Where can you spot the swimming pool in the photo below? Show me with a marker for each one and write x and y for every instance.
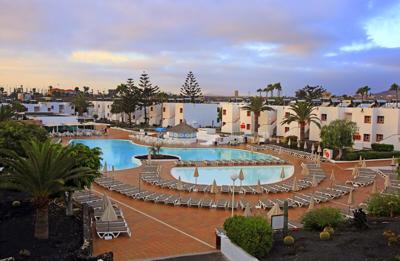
(266, 174)
(120, 153)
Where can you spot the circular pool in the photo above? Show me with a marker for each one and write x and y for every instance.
(222, 175)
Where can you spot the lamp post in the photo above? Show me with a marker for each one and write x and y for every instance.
(234, 178)
(140, 177)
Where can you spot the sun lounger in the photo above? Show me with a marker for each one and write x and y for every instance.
(195, 202)
(172, 200)
(265, 203)
(221, 203)
(185, 201)
(112, 229)
(225, 189)
(206, 203)
(162, 198)
(235, 204)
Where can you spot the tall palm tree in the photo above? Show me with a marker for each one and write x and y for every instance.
(278, 87)
(256, 106)
(43, 174)
(363, 91)
(303, 115)
(267, 90)
(395, 87)
(260, 91)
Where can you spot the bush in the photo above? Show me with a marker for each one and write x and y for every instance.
(319, 218)
(252, 234)
(288, 240)
(384, 205)
(324, 235)
(382, 147)
(370, 154)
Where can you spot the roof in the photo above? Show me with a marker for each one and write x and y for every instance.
(182, 127)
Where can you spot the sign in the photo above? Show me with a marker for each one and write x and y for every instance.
(277, 221)
(243, 125)
(328, 153)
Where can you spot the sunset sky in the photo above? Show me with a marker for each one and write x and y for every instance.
(229, 45)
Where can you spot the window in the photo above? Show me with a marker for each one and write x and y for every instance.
(287, 129)
(367, 119)
(223, 112)
(357, 136)
(163, 109)
(323, 117)
(248, 126)
(134, 116)
(52, 107)
(223, 123)
(379, 137)
(151, 108)
(380, 119)
(367, 137)
(248, 113)
(287, 114)
(181, 110)
(180, 121)
(98, 105)
(108, 106)
(48, 109)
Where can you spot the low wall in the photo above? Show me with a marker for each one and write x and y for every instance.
(233, 252)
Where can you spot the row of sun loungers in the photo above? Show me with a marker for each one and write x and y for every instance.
(365, 177)
(189, 163)
(103, 229)
(293, 152)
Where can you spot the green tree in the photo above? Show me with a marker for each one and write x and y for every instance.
(309, 93)
(84, 157)
(303, 114)
(42, 173)
(256, 106)
(260, 91)
(80, 103)
(13, 134)
(395, 87)
(338, 135)
(277, 86)
(6, 112)
(148, 94)
(128, 99)
(268, 89)
(191, 87)
(363, 91)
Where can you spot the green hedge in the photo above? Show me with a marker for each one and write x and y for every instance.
(319, 218)
(382, 205)
(252, 234)
(382, 147)
(370, 154)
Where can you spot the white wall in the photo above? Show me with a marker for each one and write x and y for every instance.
(233, 252)
(53, 107)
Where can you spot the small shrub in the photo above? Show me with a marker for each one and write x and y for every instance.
(288, 241)
(324, 235)
(330, 230)
(319, 218)
(384, 205)
(397, 258)
(391, 237)
(252, 234)
(382, 147)
(370, 154)
(16, 203)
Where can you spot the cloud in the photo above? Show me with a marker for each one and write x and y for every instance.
(330, 54)
(357, 47)
(384, 30)
(98, 57)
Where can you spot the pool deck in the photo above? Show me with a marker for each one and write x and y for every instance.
(159, 230)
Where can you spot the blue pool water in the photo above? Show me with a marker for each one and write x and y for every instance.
(266, 174)
(120, 153)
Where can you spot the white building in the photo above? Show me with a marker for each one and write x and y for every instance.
(374, 124)
(195, 114)
(52, 107)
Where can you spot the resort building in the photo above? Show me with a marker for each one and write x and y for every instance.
(53, 107)
(375, 124)
(195, 114)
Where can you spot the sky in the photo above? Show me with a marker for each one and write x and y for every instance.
(229, 45)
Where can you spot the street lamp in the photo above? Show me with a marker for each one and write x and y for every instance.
(234, 178)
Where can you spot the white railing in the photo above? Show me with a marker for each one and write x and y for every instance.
(233, 252)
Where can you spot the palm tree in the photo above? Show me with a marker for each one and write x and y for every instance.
(395, 87)
(278, 87)
(260, 91)
(303, 115)
(267, 90)
(363, 91)
(43, 174)
(256, 106)
(80, 103)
